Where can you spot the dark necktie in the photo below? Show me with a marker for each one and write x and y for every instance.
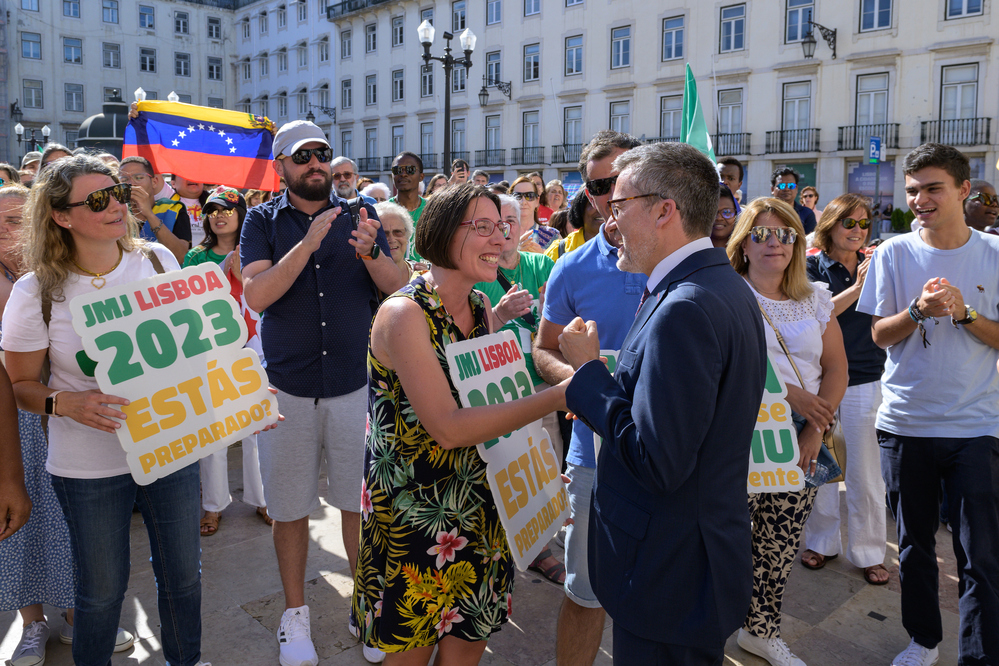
(645, 295)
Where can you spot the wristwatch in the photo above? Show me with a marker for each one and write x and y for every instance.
(375, 253)
(50, 404)
(970, 315)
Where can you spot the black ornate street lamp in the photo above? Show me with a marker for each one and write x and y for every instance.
(467, 38)
(808, 43)
(30, 140)
(505, 87)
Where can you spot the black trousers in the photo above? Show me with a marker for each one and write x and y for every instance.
(632, 650)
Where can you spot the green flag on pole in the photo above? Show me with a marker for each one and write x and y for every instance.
(694, 131)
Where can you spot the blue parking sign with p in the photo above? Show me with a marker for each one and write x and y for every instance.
(874, 151)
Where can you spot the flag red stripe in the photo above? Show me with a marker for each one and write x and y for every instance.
(231, 171)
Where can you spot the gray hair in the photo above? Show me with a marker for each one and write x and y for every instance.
(337, 161)
(508, 200)
(14, 191)
(679, 172)
(390, 208)
(381, 187)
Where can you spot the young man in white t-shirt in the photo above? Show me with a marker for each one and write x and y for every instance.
(934, 295)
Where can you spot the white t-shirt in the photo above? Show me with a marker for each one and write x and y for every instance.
(950, 387)
(801, 324)
(75, 451)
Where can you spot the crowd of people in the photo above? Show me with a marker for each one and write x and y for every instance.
(357, 288)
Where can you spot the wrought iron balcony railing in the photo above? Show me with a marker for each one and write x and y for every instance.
(793, 141)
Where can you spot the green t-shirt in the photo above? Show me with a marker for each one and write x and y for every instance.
(415, 214)
(531, 273)
(201, 255)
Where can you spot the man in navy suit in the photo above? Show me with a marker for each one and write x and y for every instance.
(669, 536)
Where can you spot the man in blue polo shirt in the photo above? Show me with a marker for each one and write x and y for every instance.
(313, 273)
(586, 283)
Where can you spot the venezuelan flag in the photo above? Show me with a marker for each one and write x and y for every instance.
(204, 144)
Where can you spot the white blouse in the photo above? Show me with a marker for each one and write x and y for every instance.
(801, 323)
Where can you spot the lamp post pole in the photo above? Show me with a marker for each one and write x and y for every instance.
(467, 38)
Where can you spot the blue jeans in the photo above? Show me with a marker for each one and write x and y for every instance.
(99, 513)
(913, 468)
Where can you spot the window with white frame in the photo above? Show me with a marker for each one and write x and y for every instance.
(398, 86)
(323, 4)
(494, 11)
(427, 15)
(264, 66)
(181, 23)
(243, 106)
(214, 102)
(74, 97)
(492, 132)
(620, 117)
(71, 8)
(458, 16)
(324, 50)
(346, 94)
(370, 38)
(29, 5)
(670, 116)
(323, 95)
(147, 17)
(532, 129)
(532, 62)
(282, 61)
(797, 105)
(621, 47)
(532, 7)
(214, 69)
(347, 143)
(799, 13)
(572, 125)
(303, 10)
(247, 71)
(72, 136)
(398, 139)
(112, 94)
(673, 38)
(573, 3)
(264, 107)
(31, 45)
(152, 94)
(182, 64)
(427, 81)
(303, 56)
(112, 55)
(732, 30)
(262, 22)
(282, 17)
(730, 111)
(345, 44)
(32, 94)
(184, 99)
(214, 27)
(574, 55)
(875, 15)
(371, 142)
(371, 89)
(872, 99)
(959, 92)
(459, 78)
(398, 26)
(147, 61)
(303, 102)
(282, 108)
(109, 11)
(492, 68)
(72, 50)
(458, 135)
(962, 8)
(426, 138)
(246, 29)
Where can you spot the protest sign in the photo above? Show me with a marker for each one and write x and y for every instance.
(523, 472)
(773, 458)
(172, 344)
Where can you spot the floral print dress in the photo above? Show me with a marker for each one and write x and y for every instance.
(433, 558)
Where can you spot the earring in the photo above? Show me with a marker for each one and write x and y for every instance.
(69, 226)
(745, 257)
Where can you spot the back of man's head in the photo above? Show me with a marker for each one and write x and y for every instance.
(603, 144)
(783, 171)
(679, 172)
(941, 156)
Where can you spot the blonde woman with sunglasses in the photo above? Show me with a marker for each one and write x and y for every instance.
(80, 238)
(767, 248)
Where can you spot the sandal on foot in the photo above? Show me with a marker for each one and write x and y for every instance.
(554, 573)
(869, 574)
(262, 512)
(817, 559)
(210, 523)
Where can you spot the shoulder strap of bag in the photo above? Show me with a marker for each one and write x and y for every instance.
(506, 284)
(354, 205)
(151, 256)
(783, 345)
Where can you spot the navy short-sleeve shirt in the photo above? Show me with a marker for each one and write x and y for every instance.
(315, 337)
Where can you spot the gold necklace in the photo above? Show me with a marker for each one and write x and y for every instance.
(100, 276)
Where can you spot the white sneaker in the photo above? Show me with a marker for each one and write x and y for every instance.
(123, 640)
(774, 650)
(916, 655)
(560, 537)
(372, 655)
(295, 638)
(31, 650)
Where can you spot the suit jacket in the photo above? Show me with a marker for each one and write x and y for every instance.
(669, 536)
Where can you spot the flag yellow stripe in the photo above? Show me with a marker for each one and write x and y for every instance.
(200, 113)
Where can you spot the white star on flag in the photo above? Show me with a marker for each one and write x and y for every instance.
(221, 133)
(211, 128)
(229, 141)
(232, 150)
(190, 128)
(200, 126)
(175, 142)
(182, 135)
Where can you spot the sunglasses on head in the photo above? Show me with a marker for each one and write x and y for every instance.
(304, 155)
(850, 223)
(783, 234)
(787, 186)
(530, 196)
(406, 169)
(100, 199)
(343, 175)
(985, 199)
(601, 186)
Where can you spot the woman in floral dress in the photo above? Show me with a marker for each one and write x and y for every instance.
(434, 567)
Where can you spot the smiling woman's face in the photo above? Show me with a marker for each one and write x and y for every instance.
(10, 223)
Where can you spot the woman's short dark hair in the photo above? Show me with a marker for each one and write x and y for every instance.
(577, 212)
(442, 218)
